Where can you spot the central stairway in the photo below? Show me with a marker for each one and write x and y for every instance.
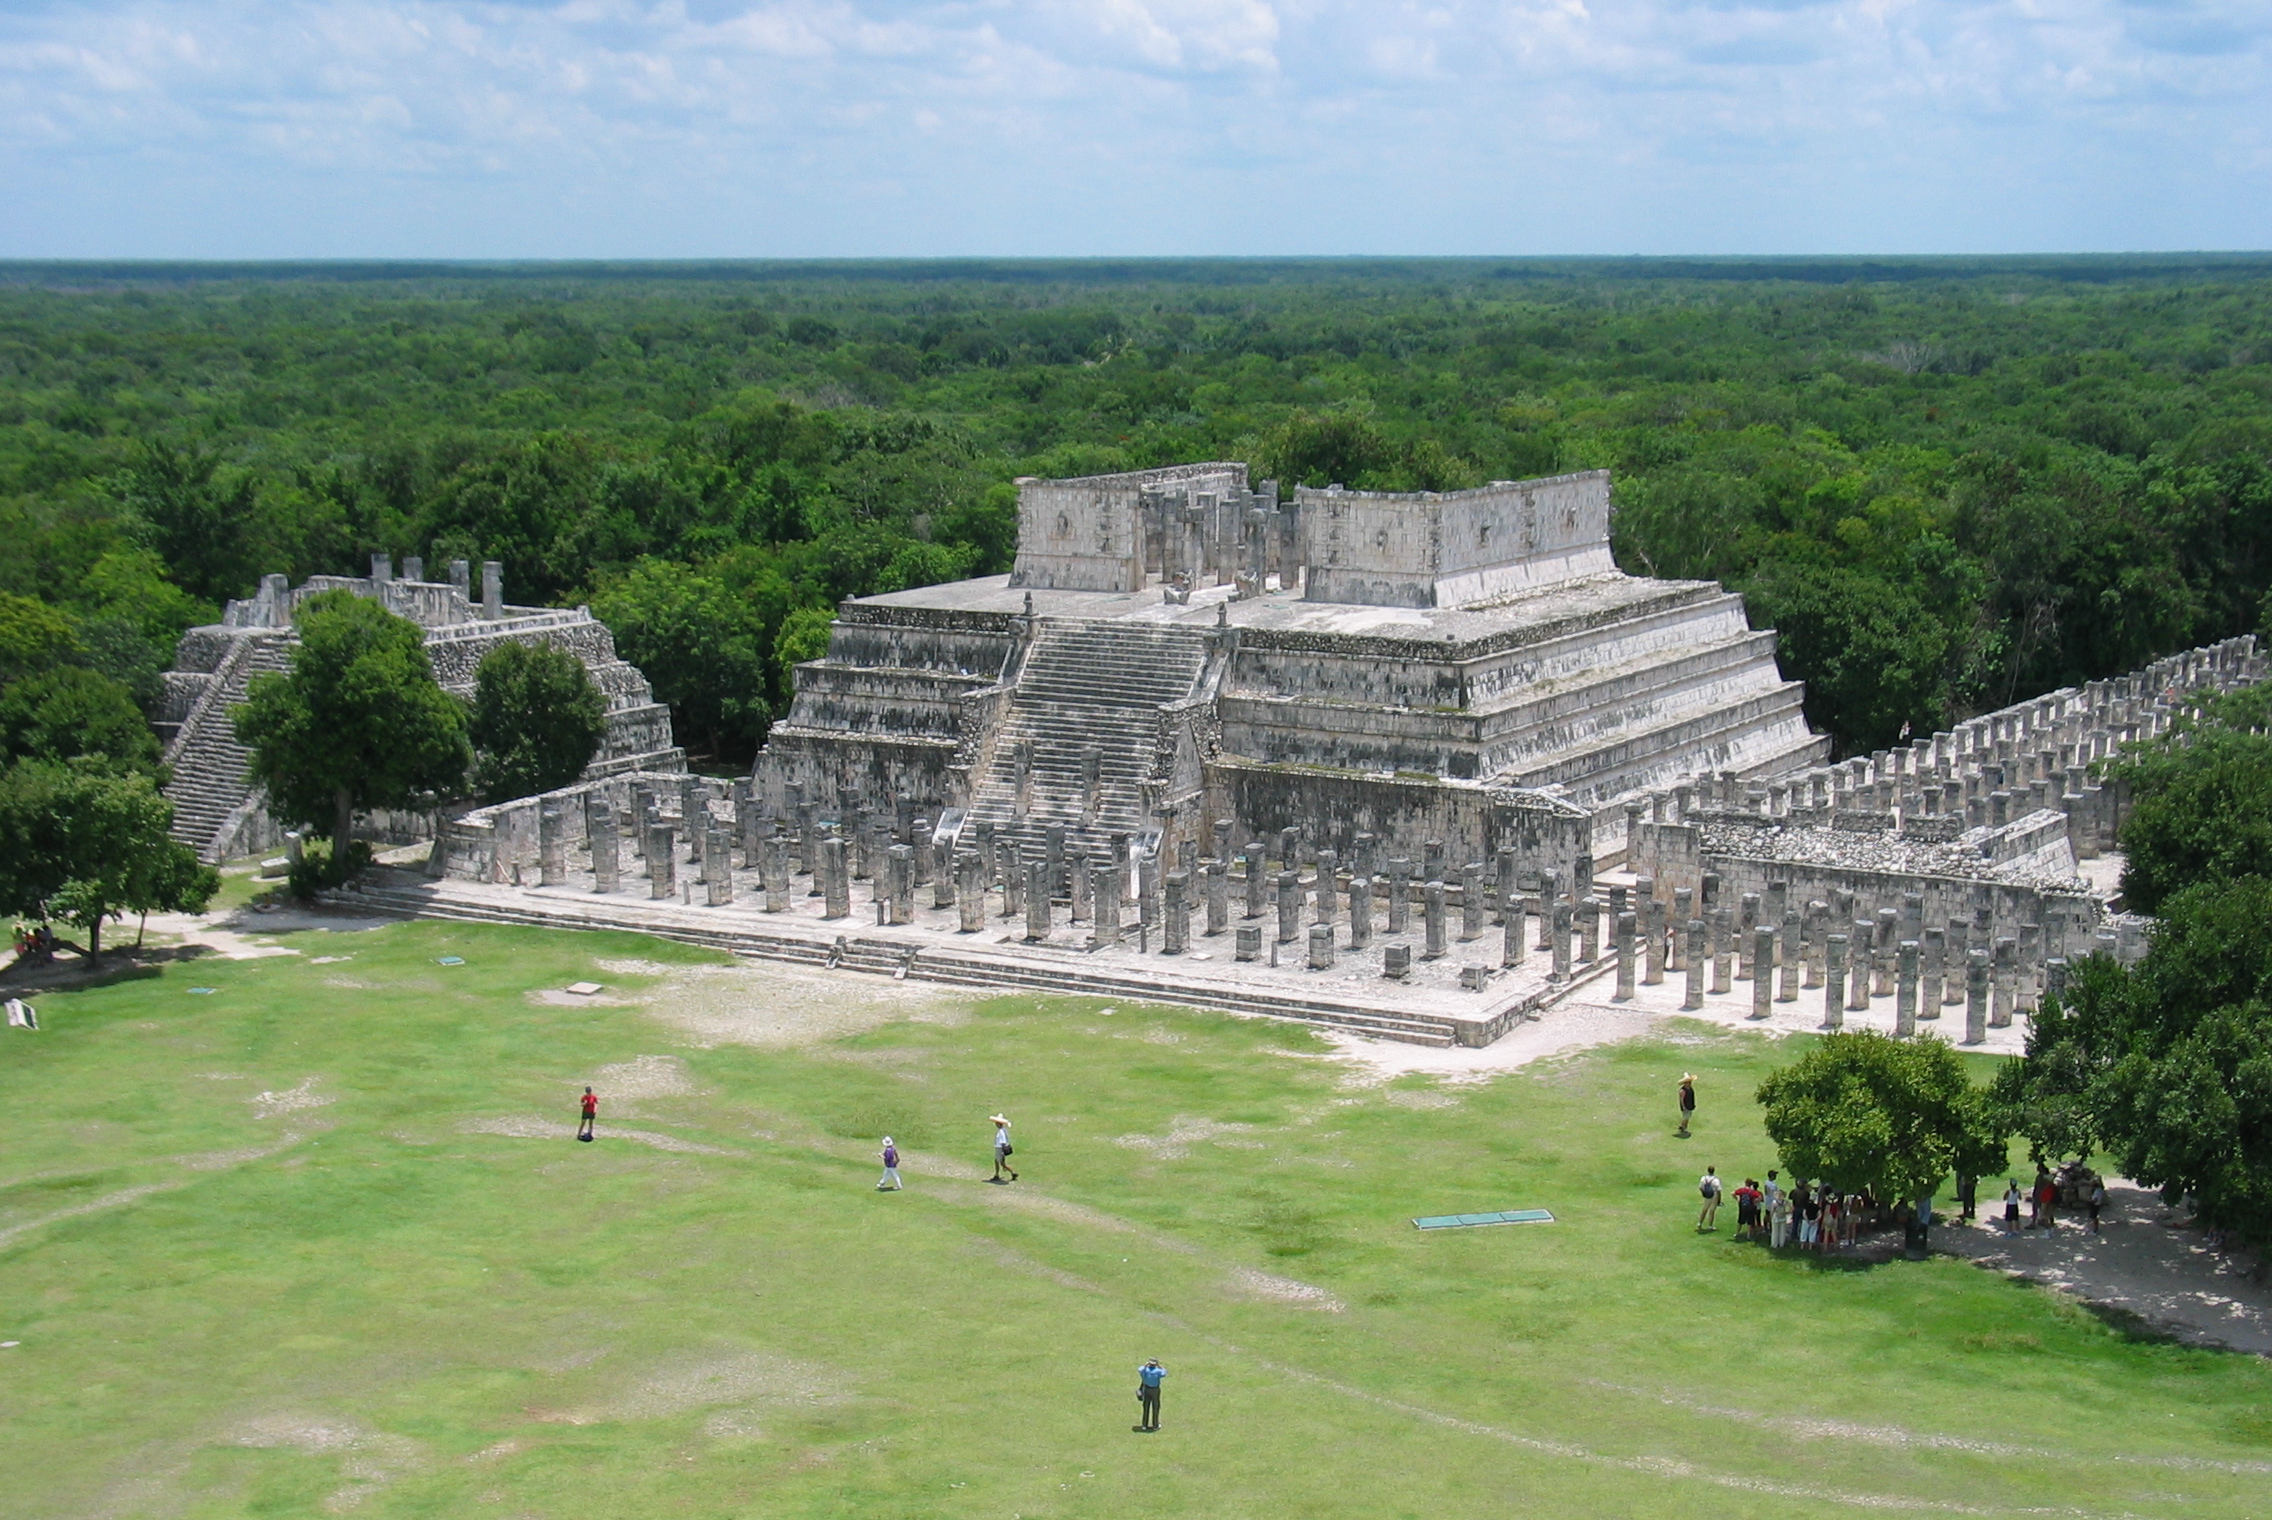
(1085, 686)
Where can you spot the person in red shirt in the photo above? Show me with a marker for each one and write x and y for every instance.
(591, 1115)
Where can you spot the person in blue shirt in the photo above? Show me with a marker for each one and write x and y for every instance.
(1148, 1379)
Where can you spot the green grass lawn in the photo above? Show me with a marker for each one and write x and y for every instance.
(392, 1303)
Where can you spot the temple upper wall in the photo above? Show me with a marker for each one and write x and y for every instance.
(1453, 548)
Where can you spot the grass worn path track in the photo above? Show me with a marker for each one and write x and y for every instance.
(319, 1241)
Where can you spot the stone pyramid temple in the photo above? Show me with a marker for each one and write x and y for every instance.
(1468, 669)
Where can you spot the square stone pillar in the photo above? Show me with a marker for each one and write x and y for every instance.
(1721, 933)
(1328, 886)
(1834, 983)
(1360, 912)
(902, 858)
(718, 865)
(1627, 931)
(1905, 991)
(1589, 930)
(607, 855)
(1256, 880)
(1976, 998)
(1289, 907)
(662, 862)
(836, 871)
(776, 874)
(1858, 957)
(1321, 947)
(1175, 928)
(1110, 881)
(1763, 974)
(1037, 901)
(970, 895)
(1400, 896)
(2005, 984)
(1511, 943)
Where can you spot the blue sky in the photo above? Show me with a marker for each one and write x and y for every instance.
(720, 128)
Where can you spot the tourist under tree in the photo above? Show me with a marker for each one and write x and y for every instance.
(357, 723)
(537, 720)
(1865, 1112)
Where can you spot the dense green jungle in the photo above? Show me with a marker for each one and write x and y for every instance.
(1949, 483)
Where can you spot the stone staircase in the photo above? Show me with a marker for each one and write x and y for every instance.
(208, 788)
(1086, 686)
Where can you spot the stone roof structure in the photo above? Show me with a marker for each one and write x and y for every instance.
(219, 811)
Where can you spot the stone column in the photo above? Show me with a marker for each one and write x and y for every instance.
(1504, 892)
(970, 895)
(1511, 937)
(1083, 896)
(1432, 859)
(1722, 934)
(1858, 954)
(1905, 991)
(1289, 906)
(1626, 933)
(1932, 968)
(551, 852)
(2005, 984)
(1959, 954)
(1550, 889)
(1037, 900)
(1558, 920)
(607, 855)
(836, 878)
(1817, 927)
(902, 883)
(1886, 936)
(1692, 944)
(1175, 933)
(1216, 876)
(1321, 947)
(1328, 866)
(1796, 965)
(1763, 974)
(944, 887)
(662, 862)
(1432, 901)
(1834, 983)
(775, 872)
(1683, 910)
(1011, 858)
(1360, 912)
(1976, 998)
(1747, 957)
(1652, 939)
(1289, 849)
(1473, 911)
(2030, 957)
(1109, 885)
(1257, 880)
(1589, 930)
(2055, 979)
(1399, 896)
(718, 864)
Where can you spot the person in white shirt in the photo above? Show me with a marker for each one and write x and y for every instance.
(1002, 1151)
(1709, 1185)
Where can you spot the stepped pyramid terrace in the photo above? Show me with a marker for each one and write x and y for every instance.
(1418, 766)
(221, 814)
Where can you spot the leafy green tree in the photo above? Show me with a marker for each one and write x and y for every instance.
(2201, 806)
(698, 646)
(2167, 1065)
(201, 520)
(1862, 1110)
(803, 636)
(70, 711)
(537, 720)
(34, 637)
(358, 722)
(84, 846)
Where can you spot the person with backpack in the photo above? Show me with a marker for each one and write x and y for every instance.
(890, 1182)
(1148, 1380)
(591, 1116)
(1687, 1101)
(1002, 1152)
(1709, 1185)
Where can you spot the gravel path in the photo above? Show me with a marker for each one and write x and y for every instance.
(2146, 1261)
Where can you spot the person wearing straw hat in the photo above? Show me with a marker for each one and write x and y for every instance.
(1002, 1151)
(1687, 1100)
(890, 1182)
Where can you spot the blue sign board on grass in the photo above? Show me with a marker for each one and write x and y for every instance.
(1467, 1221)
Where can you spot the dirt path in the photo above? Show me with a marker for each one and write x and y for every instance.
(2146, 1263)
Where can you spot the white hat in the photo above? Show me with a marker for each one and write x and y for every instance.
(997, 1119)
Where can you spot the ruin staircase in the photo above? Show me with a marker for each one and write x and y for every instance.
(1086, 686)
(209, 788)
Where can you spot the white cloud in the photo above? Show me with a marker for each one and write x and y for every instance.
(626, 127)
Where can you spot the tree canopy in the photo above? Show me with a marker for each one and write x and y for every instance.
(1950, 483)
(357, 723)
(537, 720)
(1862, 1110)
(85, 845)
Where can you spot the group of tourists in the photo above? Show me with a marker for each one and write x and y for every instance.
(1811, 1216)
(2042, 1199)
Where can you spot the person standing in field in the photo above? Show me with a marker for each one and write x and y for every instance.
(890, 1182)
(1687, 1101)
(591, 1116)
(1002, 1151)
(2097, 1202)
(1778, 1216)
(1707, 1218)
(1148, 1380)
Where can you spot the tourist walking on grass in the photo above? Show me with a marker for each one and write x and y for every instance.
(2012, 1207)
(890, 1182)
(1687, 1101)
(1148, 1380)
(1709, 1185)
(1002, 1151)
(591, 1116)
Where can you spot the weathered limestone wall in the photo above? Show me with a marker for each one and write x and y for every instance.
(1454, 548)
(1088, 534)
